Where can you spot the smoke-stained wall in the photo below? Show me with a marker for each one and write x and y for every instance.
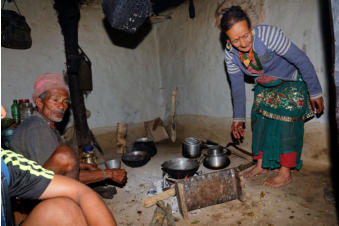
(126, 82)
(134, 85)
(191, 54)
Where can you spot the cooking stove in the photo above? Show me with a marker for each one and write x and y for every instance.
(169, 182)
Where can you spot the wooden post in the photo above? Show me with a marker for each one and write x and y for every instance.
(68, 17)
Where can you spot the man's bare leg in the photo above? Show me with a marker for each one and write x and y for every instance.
(257, 170)
(56, 211)
(64, 161)
(283, 178)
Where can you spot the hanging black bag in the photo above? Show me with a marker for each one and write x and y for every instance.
(15, 32)
(126, 15)
(85, 72)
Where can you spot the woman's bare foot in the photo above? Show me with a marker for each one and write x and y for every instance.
(255, 171)
(283, 178)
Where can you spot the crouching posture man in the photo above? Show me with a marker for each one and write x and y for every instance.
(65, 202)
(37, 139)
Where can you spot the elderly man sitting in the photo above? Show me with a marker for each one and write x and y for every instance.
(63, 201)
(37, 138)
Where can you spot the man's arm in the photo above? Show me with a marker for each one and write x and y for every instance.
(94, 209)
(94, 174)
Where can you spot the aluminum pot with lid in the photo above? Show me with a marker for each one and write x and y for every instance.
(191, 147)
(216, 158)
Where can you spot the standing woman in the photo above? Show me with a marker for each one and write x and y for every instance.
(286, 93)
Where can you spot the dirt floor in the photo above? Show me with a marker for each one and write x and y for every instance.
(302, 202)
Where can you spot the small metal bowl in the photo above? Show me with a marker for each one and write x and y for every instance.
(113, 164)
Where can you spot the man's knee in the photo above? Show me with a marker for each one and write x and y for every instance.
(66, 158)
(56, 211)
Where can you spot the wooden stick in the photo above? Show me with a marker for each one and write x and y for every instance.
(173, 129)
(150, 201)
(182, 200)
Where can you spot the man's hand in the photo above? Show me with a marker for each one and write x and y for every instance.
(117, 175)
(318, 105)
(238, 130)
(87, 166)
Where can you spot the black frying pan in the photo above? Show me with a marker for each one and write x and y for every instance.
(135, 158)
(179, 168)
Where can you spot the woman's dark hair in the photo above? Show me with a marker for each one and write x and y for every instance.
(231, 16)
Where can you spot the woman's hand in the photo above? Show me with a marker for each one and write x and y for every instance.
(238, 130)
(318, 105)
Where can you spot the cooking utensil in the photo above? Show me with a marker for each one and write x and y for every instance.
(216, 150)
(180, 167)
(212, 144)
(216, 158)
(239, 149)
(173, 129)
(239, 152)
(203, 190)
(145, 144)
(191, 147)
(113, 164)
(135, 158)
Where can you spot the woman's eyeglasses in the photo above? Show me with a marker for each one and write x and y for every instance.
(246, 36)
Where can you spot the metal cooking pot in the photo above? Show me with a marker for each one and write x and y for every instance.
(180, 167)
(145, 144)
(214, 150)
(216, 158)
(135, 158)
(191, 147)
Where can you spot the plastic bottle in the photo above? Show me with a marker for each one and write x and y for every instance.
(15, 111)
(21, 101)
(88, 155)
(26, 109)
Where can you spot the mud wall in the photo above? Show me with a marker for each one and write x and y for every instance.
(134, 85)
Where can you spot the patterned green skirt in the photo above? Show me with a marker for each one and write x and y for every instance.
(278, 114)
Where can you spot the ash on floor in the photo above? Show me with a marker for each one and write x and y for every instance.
(301, 202)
